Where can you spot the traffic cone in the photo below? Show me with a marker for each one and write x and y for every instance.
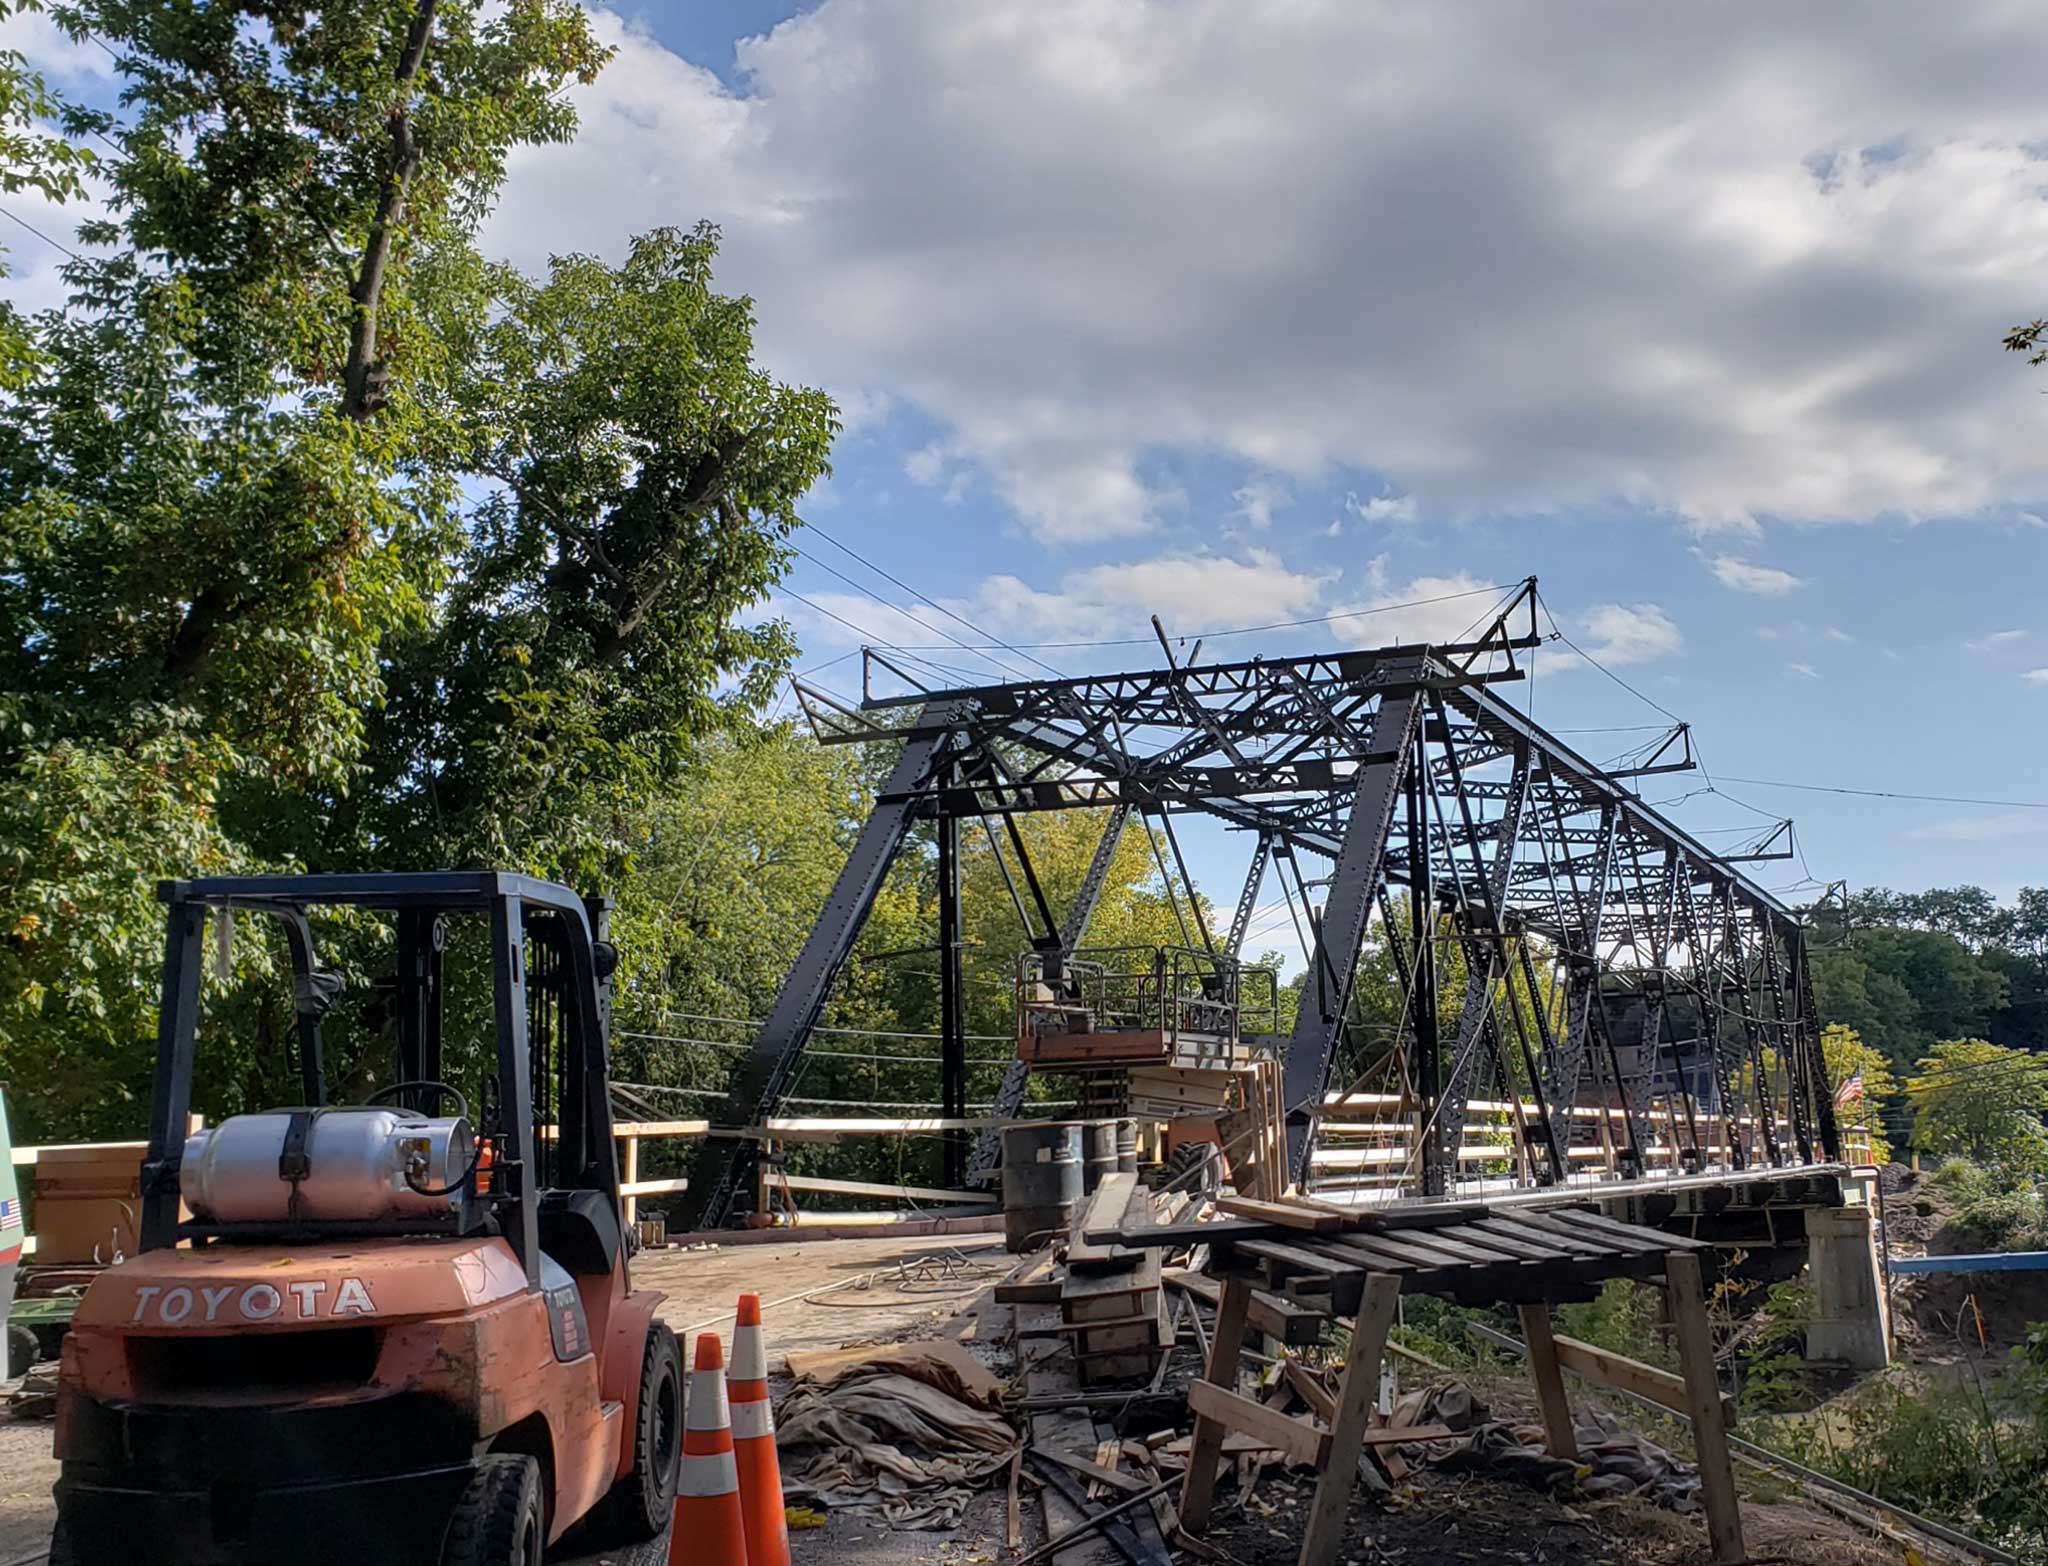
(709, 1528)
(753, 1440)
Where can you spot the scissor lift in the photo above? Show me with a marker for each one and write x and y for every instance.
(1169, 1036)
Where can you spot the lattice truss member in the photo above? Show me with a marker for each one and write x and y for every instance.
(1556, 946)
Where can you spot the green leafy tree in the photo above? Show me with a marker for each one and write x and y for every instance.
(329, 543)
(1849, 1060)
(1972, 1098)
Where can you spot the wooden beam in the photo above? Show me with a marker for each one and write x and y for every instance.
(1295, 1325)
(1090, 1469)
(1703, 1392)
(1558, 1435)
(1297, 1439)
(1104, 1214)
(920, 1193)
(1357, 1394)
(1610, 1369)
(637, 1188)
(1317, 1219)
(1198, 1489)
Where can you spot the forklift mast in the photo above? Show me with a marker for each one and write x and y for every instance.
(551, 968)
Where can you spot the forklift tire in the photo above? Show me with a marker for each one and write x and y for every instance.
(1195, 1167)
(640, 1505)
(502, 1518)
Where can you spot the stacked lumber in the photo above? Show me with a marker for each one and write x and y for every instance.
(1112, 1308)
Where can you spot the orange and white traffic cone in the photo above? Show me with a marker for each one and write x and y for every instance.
(709, 1529)
(753, 1439)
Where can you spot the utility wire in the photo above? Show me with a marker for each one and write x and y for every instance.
(45, 238)
(927, 598)
(1242, 630)
(1881, 793)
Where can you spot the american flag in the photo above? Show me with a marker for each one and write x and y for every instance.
(10, 1213)
(1851, 1090)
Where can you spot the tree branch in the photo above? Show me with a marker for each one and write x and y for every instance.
(361, 378)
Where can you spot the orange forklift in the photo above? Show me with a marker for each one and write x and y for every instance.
(401, 1330)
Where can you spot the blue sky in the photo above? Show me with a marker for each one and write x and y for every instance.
(1240, 314)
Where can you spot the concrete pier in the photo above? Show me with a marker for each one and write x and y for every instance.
(1851, 1324)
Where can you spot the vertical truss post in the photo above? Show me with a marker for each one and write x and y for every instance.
(1320, 1021)
(988, 1144)
(1485, 965)
(1423, 1015)
(1706, 999)
(1582, 984)
(1791, 1059)
(724, 1168)
(952, 1013)
(1806, 1024)
(1752, 1031)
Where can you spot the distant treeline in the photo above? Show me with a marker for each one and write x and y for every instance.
(1908, 969)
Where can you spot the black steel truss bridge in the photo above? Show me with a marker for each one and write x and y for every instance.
(1572, 974)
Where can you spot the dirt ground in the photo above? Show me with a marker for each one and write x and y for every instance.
(814, 1295)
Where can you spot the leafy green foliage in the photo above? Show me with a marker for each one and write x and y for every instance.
(1848, 1059)
(1905, 969)
(1984, 1103)
(328, 543)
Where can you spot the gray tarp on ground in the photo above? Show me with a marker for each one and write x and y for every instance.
(884, 1443)
(1612, 1461)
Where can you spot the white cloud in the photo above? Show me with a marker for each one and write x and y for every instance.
(1631, 633)
(1190, 593)
(1514, 259)
(1259, 499)
(1995, 639)
(1384, 508)
(2036, 676)
(1836, 634)
(1805, 671)
(1982, 829)
(1765, 581)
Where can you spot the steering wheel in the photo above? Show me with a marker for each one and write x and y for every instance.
(436, 1091)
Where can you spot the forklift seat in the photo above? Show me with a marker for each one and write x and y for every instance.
(580, 1229)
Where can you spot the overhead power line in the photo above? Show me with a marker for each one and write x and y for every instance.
(1885, 793)
(1238, 630)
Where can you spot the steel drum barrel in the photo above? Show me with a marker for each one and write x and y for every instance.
(1042, 1188)
(1098, 1152)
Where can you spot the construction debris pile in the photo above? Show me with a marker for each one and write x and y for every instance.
(905, 1432)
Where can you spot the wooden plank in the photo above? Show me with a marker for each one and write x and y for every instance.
(637, 1188)
(1610, 1369)
(1580, 1241)
(1402, 1247)
(1321, 1400)
(1295, 1325)
(1497, 1251)
(1558, 1436)
(1368, 1249)
(1520, 1241)
(1198, 1488)
(1357, 1395)
(1300, 1441)
(1104, 1214)
(1620, 1237)
(1301, 1260)
(1188, 1231)
(1289, 1215)
(920, 1193)
(1015, 1534)
(1603, 1224)
(1703, 1393)
(1088, 1468)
